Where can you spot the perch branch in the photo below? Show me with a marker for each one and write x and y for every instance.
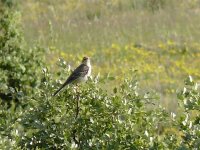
(76, 116)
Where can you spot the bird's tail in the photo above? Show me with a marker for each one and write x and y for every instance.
(59, 89)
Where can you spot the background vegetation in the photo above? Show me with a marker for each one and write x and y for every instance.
(158, 38)
(145, 54)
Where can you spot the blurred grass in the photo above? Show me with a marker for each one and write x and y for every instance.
(158, 38)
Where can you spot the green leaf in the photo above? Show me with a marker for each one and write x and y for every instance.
(111, 78)
(22, 67)
(189, 81)
(115, 90)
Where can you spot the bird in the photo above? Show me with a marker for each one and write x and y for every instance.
(80, 74)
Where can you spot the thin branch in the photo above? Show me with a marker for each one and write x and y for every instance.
(147, 100)
(76, 116)
(74, 137)
(77, 105)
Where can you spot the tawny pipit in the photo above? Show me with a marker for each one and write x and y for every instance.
(80, 74)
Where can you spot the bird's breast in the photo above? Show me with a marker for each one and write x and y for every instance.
(89, 70)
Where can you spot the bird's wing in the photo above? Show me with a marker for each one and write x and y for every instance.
(80, 71)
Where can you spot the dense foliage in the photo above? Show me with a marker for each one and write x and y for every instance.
(19, 65)
(189, 122)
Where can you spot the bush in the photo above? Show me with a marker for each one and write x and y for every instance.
(88, 117)
(123, 119)
(19, 65)
(20, 76)
(189, 122)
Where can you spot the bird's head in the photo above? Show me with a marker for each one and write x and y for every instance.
(86, 60)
